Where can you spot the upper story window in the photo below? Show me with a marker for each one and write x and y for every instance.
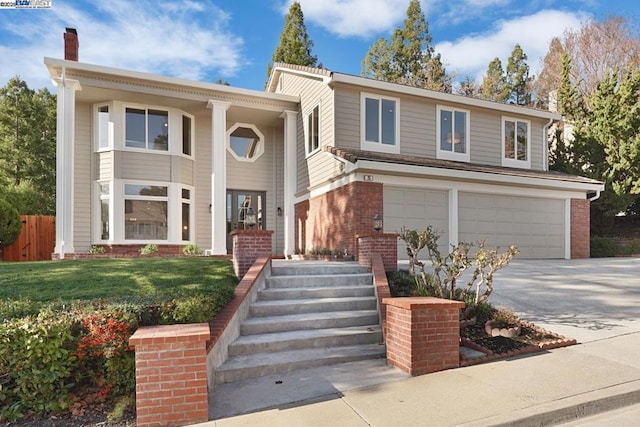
(105, 128)
(187, 135)
(516, 143)
(245, 142)
(379, 125)
(452, 134)
(147, 129)
(312, 129)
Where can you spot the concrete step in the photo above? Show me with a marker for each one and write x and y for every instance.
(258, 365)
(304, 339)
(308, 293)
(298, 268)
(296, 306)
(294, 322)
(319, 280)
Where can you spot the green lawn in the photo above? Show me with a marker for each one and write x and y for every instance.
(111, 278)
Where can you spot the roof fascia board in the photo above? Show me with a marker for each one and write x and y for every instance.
(277, 70)
(441, 96)
(54, 65)
(475, 176)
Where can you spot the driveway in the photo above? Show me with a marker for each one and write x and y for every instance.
(587, 299)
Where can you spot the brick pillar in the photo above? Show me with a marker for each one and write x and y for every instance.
(171, 374)
(248, 246)
(385, 244)
(580, 228)
(423, 334)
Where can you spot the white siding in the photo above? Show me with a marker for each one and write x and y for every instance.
(82, 185)
(145, 166)
(105, 165)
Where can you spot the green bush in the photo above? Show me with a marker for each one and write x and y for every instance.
(603, 247)
(401, 283)
(149, 249)
(192, 249)
(10, 224)
(97, 249)
(36, 364)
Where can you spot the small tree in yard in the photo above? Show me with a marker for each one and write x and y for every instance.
(10, 224)
(447, 270)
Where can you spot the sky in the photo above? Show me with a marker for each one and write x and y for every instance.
(233, 40)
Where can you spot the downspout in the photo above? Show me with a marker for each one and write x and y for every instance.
(596, 197)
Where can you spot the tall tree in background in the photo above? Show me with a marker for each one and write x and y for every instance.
(295, 45)
(494, 84)
(517, 77)
(408, 58)
(468, 87)
(597, 48)
(28, 147)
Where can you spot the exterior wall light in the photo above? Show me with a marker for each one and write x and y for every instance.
(377, 222)
(250, 218)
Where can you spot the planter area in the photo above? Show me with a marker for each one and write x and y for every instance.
(482, 343)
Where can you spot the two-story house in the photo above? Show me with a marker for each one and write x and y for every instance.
(144, 158)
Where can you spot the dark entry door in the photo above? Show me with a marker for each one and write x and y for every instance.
(238, 203)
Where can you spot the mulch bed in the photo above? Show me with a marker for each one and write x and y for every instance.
(532, 339)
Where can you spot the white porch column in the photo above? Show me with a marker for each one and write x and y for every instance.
(290, 175)
(453, 218)
(218, 176)
(65, 136)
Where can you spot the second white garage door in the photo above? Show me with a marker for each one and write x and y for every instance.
(416, 209)
(535, 225)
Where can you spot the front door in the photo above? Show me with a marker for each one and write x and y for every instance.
(238, 202)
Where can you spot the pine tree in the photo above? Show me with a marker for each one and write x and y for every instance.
(517, 77)
(295, 45)
(494, 85)
(408, 58)
(468, 87)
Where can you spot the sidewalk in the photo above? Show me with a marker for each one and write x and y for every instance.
(540, 389)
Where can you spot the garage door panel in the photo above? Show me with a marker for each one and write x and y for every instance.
(535, 225)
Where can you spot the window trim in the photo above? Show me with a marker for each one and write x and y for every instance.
(110, 130)
(171, 144)
(180, 150)
(167, 198)
(373, 145)
(452, 155)
(98, 203)
(510, 162)
(306, 129)
(259, 149)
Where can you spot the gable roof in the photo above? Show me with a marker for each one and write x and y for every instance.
(332, 78)
(353, 156)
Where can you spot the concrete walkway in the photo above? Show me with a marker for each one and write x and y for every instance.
(594, 301)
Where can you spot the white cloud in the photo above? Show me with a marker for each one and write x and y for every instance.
(470, 55)
(187, 39)
(360, 18)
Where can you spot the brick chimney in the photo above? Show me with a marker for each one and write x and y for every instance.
(71, 44)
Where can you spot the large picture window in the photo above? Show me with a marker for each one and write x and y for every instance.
(145, 212)
(379, 123)
(147, 129)
(516, 147)
(452, 133)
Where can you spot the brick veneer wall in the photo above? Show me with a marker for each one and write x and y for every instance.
(334, 219)
(580, 228)
(123, 251)
(423, 334)
(171, 374)
(385, 244)
(248, 246)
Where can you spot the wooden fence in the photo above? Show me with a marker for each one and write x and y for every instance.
(36, 241)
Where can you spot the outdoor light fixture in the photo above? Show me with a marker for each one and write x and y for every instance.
(279, 211)
(250, 218)
(377, 222)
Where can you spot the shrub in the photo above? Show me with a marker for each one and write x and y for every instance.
(603, 247)
(96, 249)
(10, 224)
(36, 364)
(504, 318)
(401, 283)
(192, 249)
(149, 249)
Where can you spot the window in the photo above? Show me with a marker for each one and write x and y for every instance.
(452, 134)
(104, 128)
(516, 148)
(312, 130)
(104, 211)
(245, 142)
(186, 135)
(379, 123)
(186, 214)
(147, 129)
(145, 212)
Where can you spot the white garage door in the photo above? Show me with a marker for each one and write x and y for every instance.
(535, 225)
(416, 209)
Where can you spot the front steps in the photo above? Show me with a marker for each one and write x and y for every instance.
(310, 314)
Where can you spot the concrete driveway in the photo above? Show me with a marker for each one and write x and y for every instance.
(587, 299)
